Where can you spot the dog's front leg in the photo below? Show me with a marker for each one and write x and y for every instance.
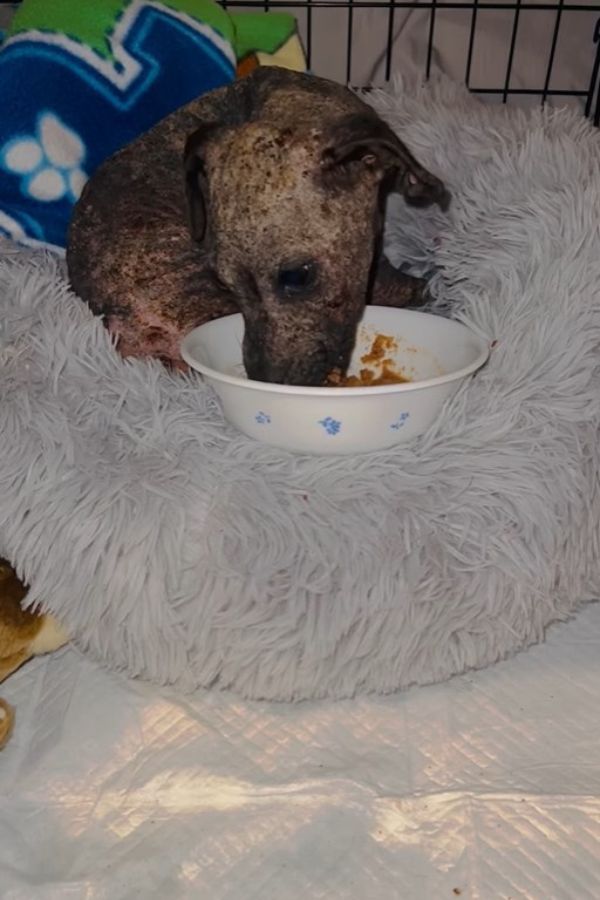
(391, 287)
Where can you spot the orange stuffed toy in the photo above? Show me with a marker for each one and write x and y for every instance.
(23, 634)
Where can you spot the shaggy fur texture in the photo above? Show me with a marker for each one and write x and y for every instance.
(176, 549)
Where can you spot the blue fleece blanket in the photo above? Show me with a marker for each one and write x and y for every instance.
(81, 78)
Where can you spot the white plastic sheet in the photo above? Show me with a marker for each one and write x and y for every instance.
(486, 787)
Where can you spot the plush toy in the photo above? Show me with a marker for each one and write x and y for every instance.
(23, 634)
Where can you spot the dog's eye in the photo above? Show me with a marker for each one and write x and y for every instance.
(295, 280)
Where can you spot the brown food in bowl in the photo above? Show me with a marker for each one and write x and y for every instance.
(366, 377)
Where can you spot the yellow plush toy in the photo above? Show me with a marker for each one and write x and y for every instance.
(23, 634)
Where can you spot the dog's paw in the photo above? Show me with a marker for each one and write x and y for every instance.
(7, 718)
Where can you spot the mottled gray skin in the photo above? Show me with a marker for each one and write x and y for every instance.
(197, 218)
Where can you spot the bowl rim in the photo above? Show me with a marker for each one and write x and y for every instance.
(268, 387)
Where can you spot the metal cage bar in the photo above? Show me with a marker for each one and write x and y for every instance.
(594, 87)
(471, 43)
(430, 42)
(511, 52)
(555, 33)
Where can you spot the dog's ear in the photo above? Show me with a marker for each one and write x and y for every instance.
(196, 180)
(362, 141)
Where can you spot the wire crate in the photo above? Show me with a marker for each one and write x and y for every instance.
(363, 43)
(523, 51)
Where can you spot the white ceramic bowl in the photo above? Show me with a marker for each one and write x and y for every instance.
(434, 352)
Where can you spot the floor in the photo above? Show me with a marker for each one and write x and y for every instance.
(487, 787)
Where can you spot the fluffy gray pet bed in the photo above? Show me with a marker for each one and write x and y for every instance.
(177, 550)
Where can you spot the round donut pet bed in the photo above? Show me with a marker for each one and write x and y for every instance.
(177, 550)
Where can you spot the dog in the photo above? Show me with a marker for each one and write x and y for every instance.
(265, 197)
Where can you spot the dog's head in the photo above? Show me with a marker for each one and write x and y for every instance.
(291, 216)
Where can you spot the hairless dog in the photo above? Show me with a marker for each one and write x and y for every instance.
(265, 197)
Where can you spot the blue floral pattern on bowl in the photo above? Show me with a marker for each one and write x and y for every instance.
(331, 426)
(263, 418)
(400, 421)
